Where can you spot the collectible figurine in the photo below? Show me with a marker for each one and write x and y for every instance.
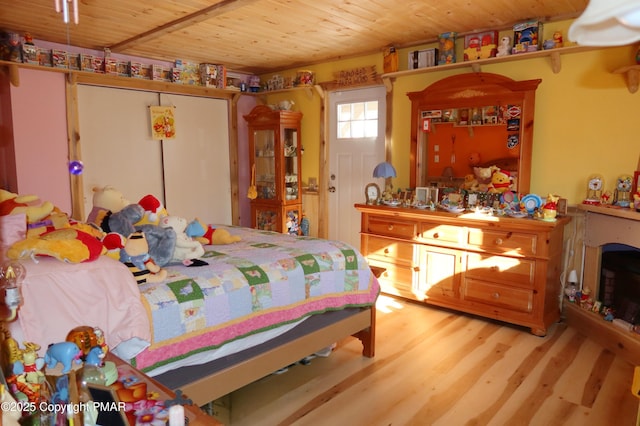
(504, 48)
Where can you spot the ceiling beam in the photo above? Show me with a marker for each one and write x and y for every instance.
(186, 21)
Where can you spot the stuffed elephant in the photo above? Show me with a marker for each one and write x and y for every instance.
(64, 353)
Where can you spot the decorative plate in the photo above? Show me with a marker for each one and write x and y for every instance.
(517, 214)
(393, 203)
(420, 206)
(454, 209)
(531, 202)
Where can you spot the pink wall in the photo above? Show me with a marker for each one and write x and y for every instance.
(40, 136)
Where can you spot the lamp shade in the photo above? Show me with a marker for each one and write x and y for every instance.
(607, 23)
(384, 170)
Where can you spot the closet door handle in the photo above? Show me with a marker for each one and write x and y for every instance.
(390, 227)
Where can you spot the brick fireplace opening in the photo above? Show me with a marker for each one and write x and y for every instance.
(604, 229)
(619, 287)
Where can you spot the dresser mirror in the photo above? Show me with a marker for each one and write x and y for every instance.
(465, 127)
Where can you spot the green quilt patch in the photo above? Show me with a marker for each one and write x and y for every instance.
(186, 290)
(264, 245)
(309, 264)
(350, 259)
(254, 274)
(212, 253)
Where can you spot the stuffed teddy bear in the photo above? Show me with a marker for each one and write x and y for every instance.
(483, 176)
(186, 248)
(11, 203)
(135, 255)
(470, 183)
(208, 235)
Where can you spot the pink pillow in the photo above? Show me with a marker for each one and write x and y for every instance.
(13, 228)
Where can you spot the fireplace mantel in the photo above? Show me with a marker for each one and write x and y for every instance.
(605, 225)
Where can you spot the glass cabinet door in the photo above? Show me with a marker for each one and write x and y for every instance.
(291, 185)
(265, 163)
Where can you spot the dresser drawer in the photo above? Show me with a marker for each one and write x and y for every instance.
(388, 250)
(495, 241)
(396, 280)
(392, 227)
(512, 298)
(434, 233)
(507, 270)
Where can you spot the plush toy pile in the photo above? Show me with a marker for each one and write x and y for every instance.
(142, 235)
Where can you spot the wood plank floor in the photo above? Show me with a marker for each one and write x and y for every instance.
(439, 367)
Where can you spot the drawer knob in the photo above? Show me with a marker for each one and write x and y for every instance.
(390, 227)
(386, 251)
(436, 235)
(499, 241)
(496, 295)
(495, 268)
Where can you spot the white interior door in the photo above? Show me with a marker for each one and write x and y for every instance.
(356, 145)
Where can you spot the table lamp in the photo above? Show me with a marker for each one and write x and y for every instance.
(387, 171)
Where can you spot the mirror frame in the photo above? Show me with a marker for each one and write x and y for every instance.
(476, 89)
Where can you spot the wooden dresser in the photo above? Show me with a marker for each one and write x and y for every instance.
(502, 268)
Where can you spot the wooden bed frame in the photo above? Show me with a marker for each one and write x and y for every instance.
(213, 381)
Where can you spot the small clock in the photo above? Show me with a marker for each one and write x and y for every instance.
(595, 184)
(372, 193)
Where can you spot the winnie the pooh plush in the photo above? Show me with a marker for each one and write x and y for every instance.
(500, 181)
(209, 235)
(153, 210)
(11, 203)
(135, 255)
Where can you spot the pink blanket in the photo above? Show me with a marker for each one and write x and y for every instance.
(58, 297)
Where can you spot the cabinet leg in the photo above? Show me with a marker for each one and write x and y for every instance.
(541, 332)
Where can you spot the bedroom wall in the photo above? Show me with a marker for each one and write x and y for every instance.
(34, 115)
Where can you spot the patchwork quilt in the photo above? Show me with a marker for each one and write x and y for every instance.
(265, 280)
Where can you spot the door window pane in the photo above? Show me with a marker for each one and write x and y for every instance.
(357, 120)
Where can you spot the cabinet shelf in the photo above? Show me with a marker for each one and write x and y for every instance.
(476, 66)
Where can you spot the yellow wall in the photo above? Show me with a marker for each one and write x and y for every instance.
(585, 117)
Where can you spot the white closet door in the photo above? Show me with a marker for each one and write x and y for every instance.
(116, 144)
(196, 161)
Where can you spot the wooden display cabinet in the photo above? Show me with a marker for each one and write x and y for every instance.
(485, 115)
(275, 161)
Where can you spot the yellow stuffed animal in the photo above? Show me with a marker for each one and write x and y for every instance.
(215, 236)
(11, 203)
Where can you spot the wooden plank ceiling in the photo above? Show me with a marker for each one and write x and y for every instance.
(260, 36)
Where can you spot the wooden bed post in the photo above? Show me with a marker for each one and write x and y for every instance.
(368, 336)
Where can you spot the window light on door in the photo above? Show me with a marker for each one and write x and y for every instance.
(358, 120)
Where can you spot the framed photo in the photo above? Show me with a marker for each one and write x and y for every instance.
(111, 410)
(636, 182)
(372, 193)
